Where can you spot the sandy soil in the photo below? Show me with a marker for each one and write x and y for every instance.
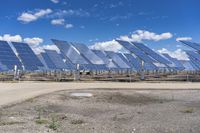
(107, 111)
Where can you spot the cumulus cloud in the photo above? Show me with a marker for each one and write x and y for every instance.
(141, 35)
(183, 39)
(55, 1)
(51, 47)
(27, 17)
(107, 46)
(68, 26)
(137, 36)
(33, 41)
(62, 22)
(40, 49)
(10, 38)
(178, 54)
(58, 22)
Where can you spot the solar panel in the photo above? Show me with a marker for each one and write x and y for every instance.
(57, 60)
(178, 64)
(48, 61)
(3, 67)
(69, 52)
(101, 67)
(117, 60)
(192, 45)
(88, 67)
(8, 58)
(195, 62)
(194, 58)
(123, 57)
(109, 63)
(29, 60)
(151, 53)
(140, 54)
(40, 57)
(88, 54)
(193, 54)
(137, 63)
(187, 65)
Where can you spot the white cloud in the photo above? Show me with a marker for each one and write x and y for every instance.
(40, 49)
(68, 26)
(51, 47)
(58, 22)
(36, 41)
(137, 36)
(179, 53)
(70, 13)
(141, 35)
(55, 1)
(62, 22)
(28, 17)
(10, 38)
(107, 46)
(183, 39)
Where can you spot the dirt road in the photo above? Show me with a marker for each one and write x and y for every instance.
(11, 93)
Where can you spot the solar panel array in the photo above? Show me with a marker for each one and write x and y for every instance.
(134, 50)
(141, 56)
(151, 53)
(70, 52)
(73, 54)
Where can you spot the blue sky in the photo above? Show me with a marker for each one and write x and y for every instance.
(91, 21)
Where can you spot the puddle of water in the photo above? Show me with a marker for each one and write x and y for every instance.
(81, 94)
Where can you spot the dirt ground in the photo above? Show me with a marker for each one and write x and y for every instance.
(107, 111)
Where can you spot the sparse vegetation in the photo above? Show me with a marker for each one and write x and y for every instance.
(77, 122)
(31, 100)
(10, 123)
(54, 123)
(188, 110)
(41, 121)
(40, 110)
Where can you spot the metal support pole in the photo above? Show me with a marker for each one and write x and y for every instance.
(77, 73)
(142, 72)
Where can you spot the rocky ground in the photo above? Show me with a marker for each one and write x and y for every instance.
(106, 111)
